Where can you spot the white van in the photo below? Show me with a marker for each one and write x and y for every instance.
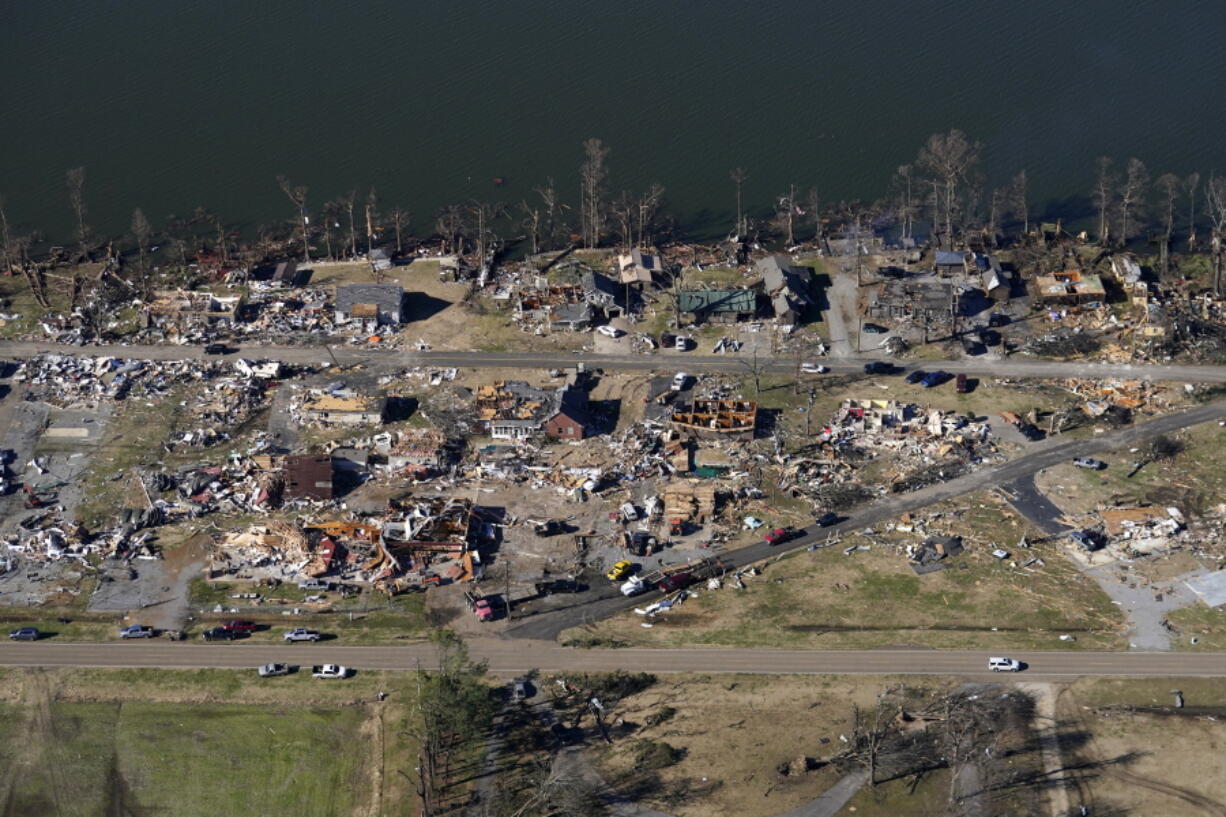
(1004, 665)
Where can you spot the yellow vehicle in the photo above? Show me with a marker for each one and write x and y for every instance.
(618, 571)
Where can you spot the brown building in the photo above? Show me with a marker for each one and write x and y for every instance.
(308, 476)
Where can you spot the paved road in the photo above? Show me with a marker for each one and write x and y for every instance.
(508, 658)
(545, 626)
(982, 367)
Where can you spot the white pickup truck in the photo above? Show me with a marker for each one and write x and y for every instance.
(329, 671)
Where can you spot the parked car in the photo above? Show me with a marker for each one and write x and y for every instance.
(814, 368)
(1089, 462)
(681, 343)
(273, 670)
(916, 376)
(610, 331)
(934, 379)
(137, 631)
(780, 535)
(619, 571)
(315, 584)
(522, 689)
(241, 627)
(1004, 665)
(483, 610)
(218, 634)
(998, 319)
(301, 634)
(962, 385)
(25, 634)
(218, 349)
(875, 329)
(329, 671)
(878, 367)
(677, 581)
(679, 381)
(827, 519)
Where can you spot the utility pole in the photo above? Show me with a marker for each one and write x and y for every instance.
(506, 594)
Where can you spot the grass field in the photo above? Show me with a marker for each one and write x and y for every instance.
(827, 600)
(214, 742)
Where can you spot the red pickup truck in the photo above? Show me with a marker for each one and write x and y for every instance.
(780, 535)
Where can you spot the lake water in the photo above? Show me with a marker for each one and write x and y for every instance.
(180, 103)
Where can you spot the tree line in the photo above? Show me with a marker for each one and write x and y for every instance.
(943, 194)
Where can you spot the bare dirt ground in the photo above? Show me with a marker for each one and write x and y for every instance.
(1143, 756)
(737, 731)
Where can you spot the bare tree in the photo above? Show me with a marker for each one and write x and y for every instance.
(996, 209)
(372, 216)
(813, 204)
(649, 204)
(1104, 197)
(1215, 203)
(6, 240)
(76, 198)
(1018, 203)
(593, 176)
(347, 202)
(949, 159)
(551, 214)
(905, 191)
(400, 220)
(1169, 187)
(738, 176)
(488, 242)
(532, 223)
(1132, 199)
(786, 213)
(297, 195)
(755, 367)
(622, 210)
(1190, 184)
(142, 231)
(450, 226)
(329, 220)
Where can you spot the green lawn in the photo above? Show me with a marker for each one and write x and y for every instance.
(182, 759)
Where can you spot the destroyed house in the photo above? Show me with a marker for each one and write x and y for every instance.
(786, 286)
(308, 476)
(286, 273)
(417, 449)
(429, 529)
(875, 416)
(1070, 286)
(603, 293)
(569, 420)
(718, 305)
(515, 410)
(339, 408)
(638, 267)
(186, 308)
(919, 300)
(720, 419)
(560, 307)
(996, 283)
(373, 304)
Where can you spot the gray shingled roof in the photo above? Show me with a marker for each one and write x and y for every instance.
(388, 297)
